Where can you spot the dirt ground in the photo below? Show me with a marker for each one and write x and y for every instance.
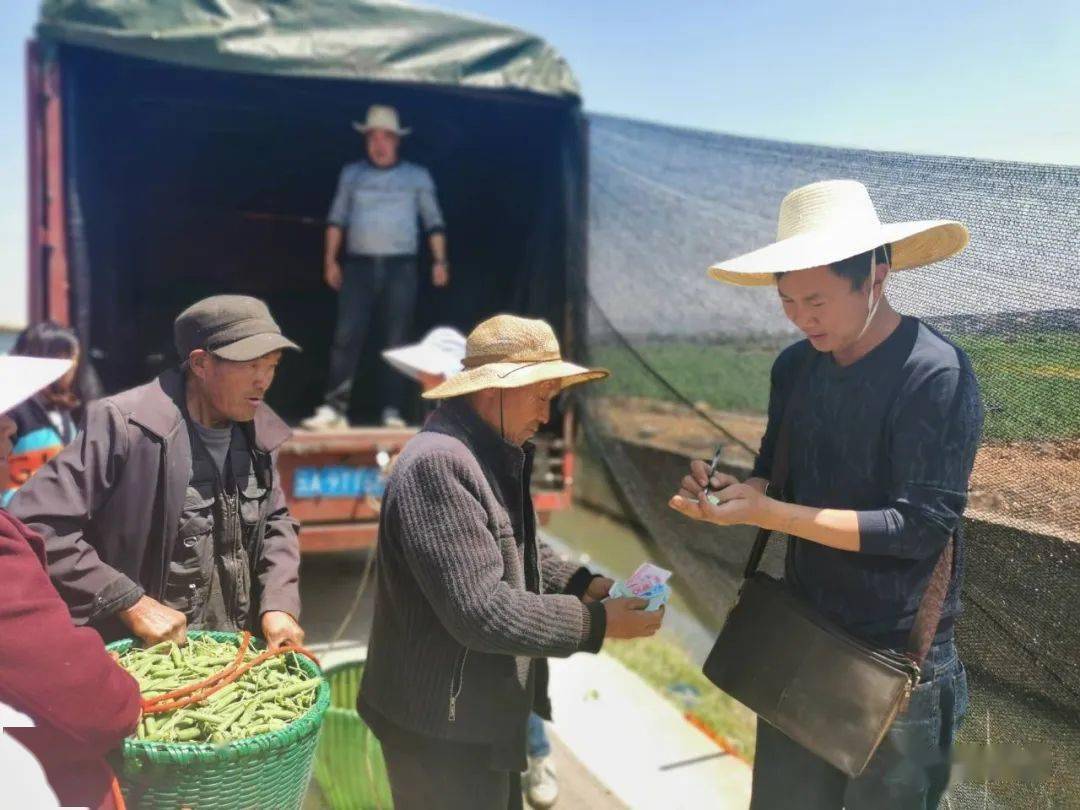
(1035, 485)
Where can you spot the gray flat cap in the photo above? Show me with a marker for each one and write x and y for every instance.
(232, 327)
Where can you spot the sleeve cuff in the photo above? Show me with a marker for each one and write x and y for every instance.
(285, 603)
(579, 582)
(877, 533)
(597, 627)
(120, 594)
(435, 229)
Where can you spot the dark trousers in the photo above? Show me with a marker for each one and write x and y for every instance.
(443, 776)
(370, 284)
(909, 770)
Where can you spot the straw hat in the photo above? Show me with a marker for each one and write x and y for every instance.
(511, 352)
(381, 116)
(22, 377)
(440, 353)
(833, 220)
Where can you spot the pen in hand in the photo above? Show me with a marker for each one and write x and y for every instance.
(713, 467)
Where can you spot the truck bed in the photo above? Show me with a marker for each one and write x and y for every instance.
(334, 481)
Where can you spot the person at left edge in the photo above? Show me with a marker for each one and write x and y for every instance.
(45, 422)
(64, 703)
(167, 513)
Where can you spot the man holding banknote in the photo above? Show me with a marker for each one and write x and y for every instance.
(467, 595)
(874, 422)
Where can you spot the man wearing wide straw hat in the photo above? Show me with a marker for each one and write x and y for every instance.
(467, 595)
(885, 421)
(375, 214)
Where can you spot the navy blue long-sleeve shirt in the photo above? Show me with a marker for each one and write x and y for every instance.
(892, 436)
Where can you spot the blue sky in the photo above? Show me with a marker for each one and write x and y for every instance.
(983, 79)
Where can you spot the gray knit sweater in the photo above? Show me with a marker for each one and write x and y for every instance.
(466, 595)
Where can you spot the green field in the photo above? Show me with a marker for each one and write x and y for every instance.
(1030, 382)
(730, 378)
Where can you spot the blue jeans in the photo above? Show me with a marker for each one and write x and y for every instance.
(371, 284)
(909, 770)
(536, 740)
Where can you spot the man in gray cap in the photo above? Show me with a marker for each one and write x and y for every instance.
(167, 512)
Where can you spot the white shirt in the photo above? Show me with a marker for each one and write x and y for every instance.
(24, 780)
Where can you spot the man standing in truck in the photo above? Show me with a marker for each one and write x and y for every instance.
(376, 215)
(166, 512)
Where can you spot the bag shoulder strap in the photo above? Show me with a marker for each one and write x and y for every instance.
(933, 602)
(781, 459)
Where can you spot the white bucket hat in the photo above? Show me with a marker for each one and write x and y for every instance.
(381, 116)
(22, 377)
(833, 220)
(439, 353)
(508, 351)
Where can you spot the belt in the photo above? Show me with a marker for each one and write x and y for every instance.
(390, 257)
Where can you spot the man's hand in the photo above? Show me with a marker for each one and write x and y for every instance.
(627, 618)
(153, 622)
(440, 274)
(332, 274)
(736, 504)
(598, 589)
(694, 483)
(281, 630)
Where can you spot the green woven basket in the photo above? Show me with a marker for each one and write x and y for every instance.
(349, 768)
(269, 771)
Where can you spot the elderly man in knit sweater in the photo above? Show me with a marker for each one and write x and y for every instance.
(467, 596)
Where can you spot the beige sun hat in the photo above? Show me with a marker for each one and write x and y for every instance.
(833, 220)
(381, 116)
(511, 352)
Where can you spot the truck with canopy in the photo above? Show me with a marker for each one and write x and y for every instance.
(184, 149)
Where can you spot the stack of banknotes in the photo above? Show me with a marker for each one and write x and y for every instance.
(648, 582)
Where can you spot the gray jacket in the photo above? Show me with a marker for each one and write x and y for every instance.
(109, 506)
(467, 597)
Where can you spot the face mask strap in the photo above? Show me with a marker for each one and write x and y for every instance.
(871, 305)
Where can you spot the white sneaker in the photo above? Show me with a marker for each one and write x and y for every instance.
(541, 783)
(391, 418)
(325, 418)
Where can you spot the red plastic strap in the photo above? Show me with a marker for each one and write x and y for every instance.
(117, 794)
(212, 679)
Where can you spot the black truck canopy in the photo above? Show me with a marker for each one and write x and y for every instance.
(202, 143)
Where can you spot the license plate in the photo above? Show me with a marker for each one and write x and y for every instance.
(338, 482)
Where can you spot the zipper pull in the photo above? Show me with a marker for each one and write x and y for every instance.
(453, 708)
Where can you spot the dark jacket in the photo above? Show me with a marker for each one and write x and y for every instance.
(81, 702)
(109, 506)
(466, 596)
